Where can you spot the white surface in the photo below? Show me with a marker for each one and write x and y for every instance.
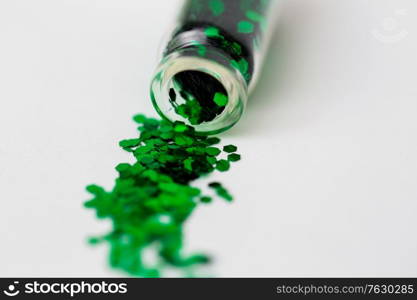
(327, 184)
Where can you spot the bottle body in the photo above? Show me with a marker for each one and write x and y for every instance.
(211, 61)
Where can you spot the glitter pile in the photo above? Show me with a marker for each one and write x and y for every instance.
(153, 197)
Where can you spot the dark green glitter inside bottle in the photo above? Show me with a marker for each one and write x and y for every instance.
(234, 27)
(203, 97)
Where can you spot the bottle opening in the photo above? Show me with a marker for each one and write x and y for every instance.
(199, 92)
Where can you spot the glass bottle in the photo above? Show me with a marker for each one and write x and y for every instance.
(211, 62)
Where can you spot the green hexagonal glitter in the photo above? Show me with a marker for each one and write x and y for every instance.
(153, 197)
(217, 7)
(220, 99)
(245, 27)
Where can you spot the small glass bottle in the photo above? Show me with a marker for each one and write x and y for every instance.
(211, 62)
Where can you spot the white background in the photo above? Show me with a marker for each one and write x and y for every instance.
(327, 184)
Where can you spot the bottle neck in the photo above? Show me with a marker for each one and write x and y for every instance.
(194, 70)
(214, 44)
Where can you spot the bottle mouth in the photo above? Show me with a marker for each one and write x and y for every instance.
(217, 92)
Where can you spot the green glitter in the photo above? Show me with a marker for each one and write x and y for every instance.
(216, 7)
(220, 99)
(212, 160)
(254, 16)
(213, 140)
(237, 49)
(230, 148)
(190, 110)
(223, 165)
(221, 191)
(180, 128)
(233, 157)
(245, 27)
(213, 151)
(198, 90)
(153, 197)
(212, 32)
(129, 143)
(206, 199)
(201, 49)
(242, 65)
